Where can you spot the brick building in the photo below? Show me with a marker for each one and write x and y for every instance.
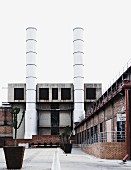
(6, 130)
(105, 131)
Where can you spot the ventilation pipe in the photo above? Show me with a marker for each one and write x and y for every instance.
(79, 112)
(31, 113)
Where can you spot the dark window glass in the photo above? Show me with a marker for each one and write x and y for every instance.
(80, 137)
(101, 128)
(90, 93)
(55, 118)
(54, 93)
(95, 134)
(18, 93)
(121, 131)
(54, 130)
(65, 93)
(88, 134)
(43, 93)
(91, 134)
(101, 132)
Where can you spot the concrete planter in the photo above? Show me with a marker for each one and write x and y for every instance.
(14, 156)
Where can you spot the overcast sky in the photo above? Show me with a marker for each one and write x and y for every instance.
(107, 39)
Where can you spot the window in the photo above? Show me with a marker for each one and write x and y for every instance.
(18, 93)
(54, 93)
(88, 136)
(90, 93)
(121, 131)
(101, 128)
(101, 133)
(95, 134)
(55, 118)
(54, 122)
(43, 93)
(91, 134)
(65, 93)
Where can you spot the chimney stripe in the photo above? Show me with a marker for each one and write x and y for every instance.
(78, 52)
(31, 40)
(31, 52)
(78, 40)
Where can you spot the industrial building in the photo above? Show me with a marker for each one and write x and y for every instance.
(100, 123)
(54, 105)
(51, 107)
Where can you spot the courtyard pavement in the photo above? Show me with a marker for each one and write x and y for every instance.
(49, 158)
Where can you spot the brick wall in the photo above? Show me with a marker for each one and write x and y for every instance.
(10, 142)
(5, 116)
(92, 122)
(115, 150)
(2, 117)
(46, 138)
(118, 104)
(108, 111)
(101, 116)
(6, 130)
(96, 120)
(36, 139)
(9, 117)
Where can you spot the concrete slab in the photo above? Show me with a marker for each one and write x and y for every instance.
(42, 159)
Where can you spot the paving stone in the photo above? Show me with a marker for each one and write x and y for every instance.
(42, 158)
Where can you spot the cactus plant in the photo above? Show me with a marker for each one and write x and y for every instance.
(14, 154)
(15, 111)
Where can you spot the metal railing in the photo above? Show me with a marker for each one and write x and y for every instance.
(113, 136)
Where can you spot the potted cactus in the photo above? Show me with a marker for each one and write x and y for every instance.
(65, 140)
(14, 154)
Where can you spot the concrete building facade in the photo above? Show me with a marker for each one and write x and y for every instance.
(54, 105)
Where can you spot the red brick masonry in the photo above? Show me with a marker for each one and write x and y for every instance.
(36, 139)
(109, 150)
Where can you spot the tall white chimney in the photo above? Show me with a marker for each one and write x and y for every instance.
(31, 113)
(79, 112)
